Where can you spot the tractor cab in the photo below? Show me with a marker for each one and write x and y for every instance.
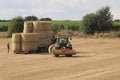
(63, 41)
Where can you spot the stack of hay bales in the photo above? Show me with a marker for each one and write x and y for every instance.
(36, 34)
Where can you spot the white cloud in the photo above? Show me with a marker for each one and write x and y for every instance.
(116, 14)
(55, 9)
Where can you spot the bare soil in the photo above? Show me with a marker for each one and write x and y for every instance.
(96, 59)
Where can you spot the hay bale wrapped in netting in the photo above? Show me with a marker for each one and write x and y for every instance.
(41, 37)
(41, 42)
(42, 26)
(42, 34)
(45, 42)
(16, 37)
(47, 25)
(29, 42)
(16, 42)
(16, 47)
(48, 34)
(48, 41)
(28, 27)
(38, 27)
(35, 48)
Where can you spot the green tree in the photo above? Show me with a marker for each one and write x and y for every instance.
(97, 22)
(89, 23)
(31, 18)
(104, 19)
(16, 25)
(45, 19)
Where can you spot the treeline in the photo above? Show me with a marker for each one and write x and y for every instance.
(4, 24)
(116, 26)
(67, 25)
(34, 18)
(16, 25)
(101, 21)
(4, 20)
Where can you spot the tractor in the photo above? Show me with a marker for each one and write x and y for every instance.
(61, 46)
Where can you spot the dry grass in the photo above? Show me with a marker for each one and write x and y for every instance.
(96, 59)
(107, 35)
(3, 34)
(112, 34)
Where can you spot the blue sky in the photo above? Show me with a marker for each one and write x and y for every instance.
(56, 9)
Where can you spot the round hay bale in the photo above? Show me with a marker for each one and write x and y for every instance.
(28, 27)
(29, 41)
(38, 27)
(45, 42)
(47, 25)
(35, 44)
(42, 26)
(48, 41)
(48, 34)
(26, 47)
(16, 42)
(42, 34)
(41, 42)
(16, 47)
(16, 38)
(35, 48)
(29, 37)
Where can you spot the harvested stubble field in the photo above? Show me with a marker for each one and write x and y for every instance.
(96, 59)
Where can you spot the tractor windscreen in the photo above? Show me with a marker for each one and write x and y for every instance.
(63, 41)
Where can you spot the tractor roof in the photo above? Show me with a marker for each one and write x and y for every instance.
(63, 36)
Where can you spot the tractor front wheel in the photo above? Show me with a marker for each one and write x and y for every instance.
(68, 55)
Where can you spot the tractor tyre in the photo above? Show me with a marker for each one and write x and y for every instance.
(68, 55)
(55, 48)
(50, 48)
(55, 55)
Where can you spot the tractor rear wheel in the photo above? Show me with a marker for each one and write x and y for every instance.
(50, 48)
(55, 55)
